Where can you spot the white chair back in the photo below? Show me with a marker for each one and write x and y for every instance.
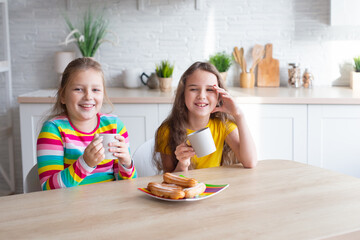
(32, 182)
(143, 159)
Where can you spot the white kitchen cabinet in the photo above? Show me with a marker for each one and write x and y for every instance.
(164, 111)
(334, 138)
(140, 120)
(279, 130)
(344, 13)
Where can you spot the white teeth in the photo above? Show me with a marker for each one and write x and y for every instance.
(86, 106)
(201, 105)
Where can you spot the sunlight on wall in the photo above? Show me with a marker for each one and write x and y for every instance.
(340, 56)
(209, 45)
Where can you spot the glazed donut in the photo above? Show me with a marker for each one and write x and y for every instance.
(181, 181)
(194, 191)
(165, 191)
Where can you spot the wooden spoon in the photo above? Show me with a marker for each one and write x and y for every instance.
(244, 67)
(236, 57)
(257, 54)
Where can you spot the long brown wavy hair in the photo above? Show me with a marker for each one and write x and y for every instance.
(75, 66)
(178, 118)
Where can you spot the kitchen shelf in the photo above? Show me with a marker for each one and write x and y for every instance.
(141, 4)
(5, 70)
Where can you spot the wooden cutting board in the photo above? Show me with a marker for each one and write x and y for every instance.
(268, 70)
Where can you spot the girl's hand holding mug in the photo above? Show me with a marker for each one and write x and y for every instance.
(94, 152)
(183, 154)
(121, 151)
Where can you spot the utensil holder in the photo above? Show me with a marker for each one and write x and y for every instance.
(247, 80)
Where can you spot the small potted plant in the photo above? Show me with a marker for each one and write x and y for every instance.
(91, 35)
(222, 61)
(164, 71)
(355, 76)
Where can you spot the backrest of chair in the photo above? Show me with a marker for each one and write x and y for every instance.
(143, 159)
(32, 182)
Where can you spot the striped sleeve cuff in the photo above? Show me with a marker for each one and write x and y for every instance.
(84, 165)
(122, 167)
(127, 173)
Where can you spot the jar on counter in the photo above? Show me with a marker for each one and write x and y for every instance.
(294, 75)
(308, 79)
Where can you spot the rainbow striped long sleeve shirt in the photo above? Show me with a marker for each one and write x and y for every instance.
(60, 148)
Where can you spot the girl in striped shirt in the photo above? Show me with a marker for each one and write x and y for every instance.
(69, 149)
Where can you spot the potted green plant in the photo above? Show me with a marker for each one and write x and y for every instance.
(164, 71)
(90, 35)
(222, 61)
(355, 76)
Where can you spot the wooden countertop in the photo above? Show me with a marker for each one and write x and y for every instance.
(278, 199)
(317, 95)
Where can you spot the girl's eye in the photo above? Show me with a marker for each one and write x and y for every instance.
(77, 89)
(96, 90)
(210, 90)
(193, 89)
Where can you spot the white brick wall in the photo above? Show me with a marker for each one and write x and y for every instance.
(175, 30)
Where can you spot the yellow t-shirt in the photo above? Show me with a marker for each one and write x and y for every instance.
(219, 131)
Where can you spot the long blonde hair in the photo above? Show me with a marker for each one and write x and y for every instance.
(177, 119)
(79, 64)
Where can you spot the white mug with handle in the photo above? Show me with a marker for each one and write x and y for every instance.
(202, 142)
(131, 77)
(108, 138)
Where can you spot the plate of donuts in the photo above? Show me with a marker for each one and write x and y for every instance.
(179, 188)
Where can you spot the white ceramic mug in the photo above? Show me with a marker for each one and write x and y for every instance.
(108, 138)
(202, 142)
(131, 77)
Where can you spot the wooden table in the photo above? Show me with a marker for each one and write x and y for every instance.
(276, 200)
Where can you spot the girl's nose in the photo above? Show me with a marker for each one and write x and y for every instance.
(88, 94)
(202, 94)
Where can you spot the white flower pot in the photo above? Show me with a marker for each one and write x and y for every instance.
(355, 81)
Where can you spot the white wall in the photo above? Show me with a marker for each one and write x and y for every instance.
(173, 29)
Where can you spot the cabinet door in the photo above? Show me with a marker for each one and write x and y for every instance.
(164, 111)
(334, 137)
(141, 121)
(279, 131)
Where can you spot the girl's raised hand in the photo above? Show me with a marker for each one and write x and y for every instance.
(94, 152)
(183, 153)
(121, 151)
(228, 104)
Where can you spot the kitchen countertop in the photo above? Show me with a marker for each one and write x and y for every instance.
(281, 95)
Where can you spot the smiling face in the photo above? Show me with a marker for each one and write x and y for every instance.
(200, 97)
(83, 98)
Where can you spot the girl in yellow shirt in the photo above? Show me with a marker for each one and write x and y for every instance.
(202, 101)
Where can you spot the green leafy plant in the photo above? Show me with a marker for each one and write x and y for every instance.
(221, 60)
(91, 35)
(357, 64)
(164, 69)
